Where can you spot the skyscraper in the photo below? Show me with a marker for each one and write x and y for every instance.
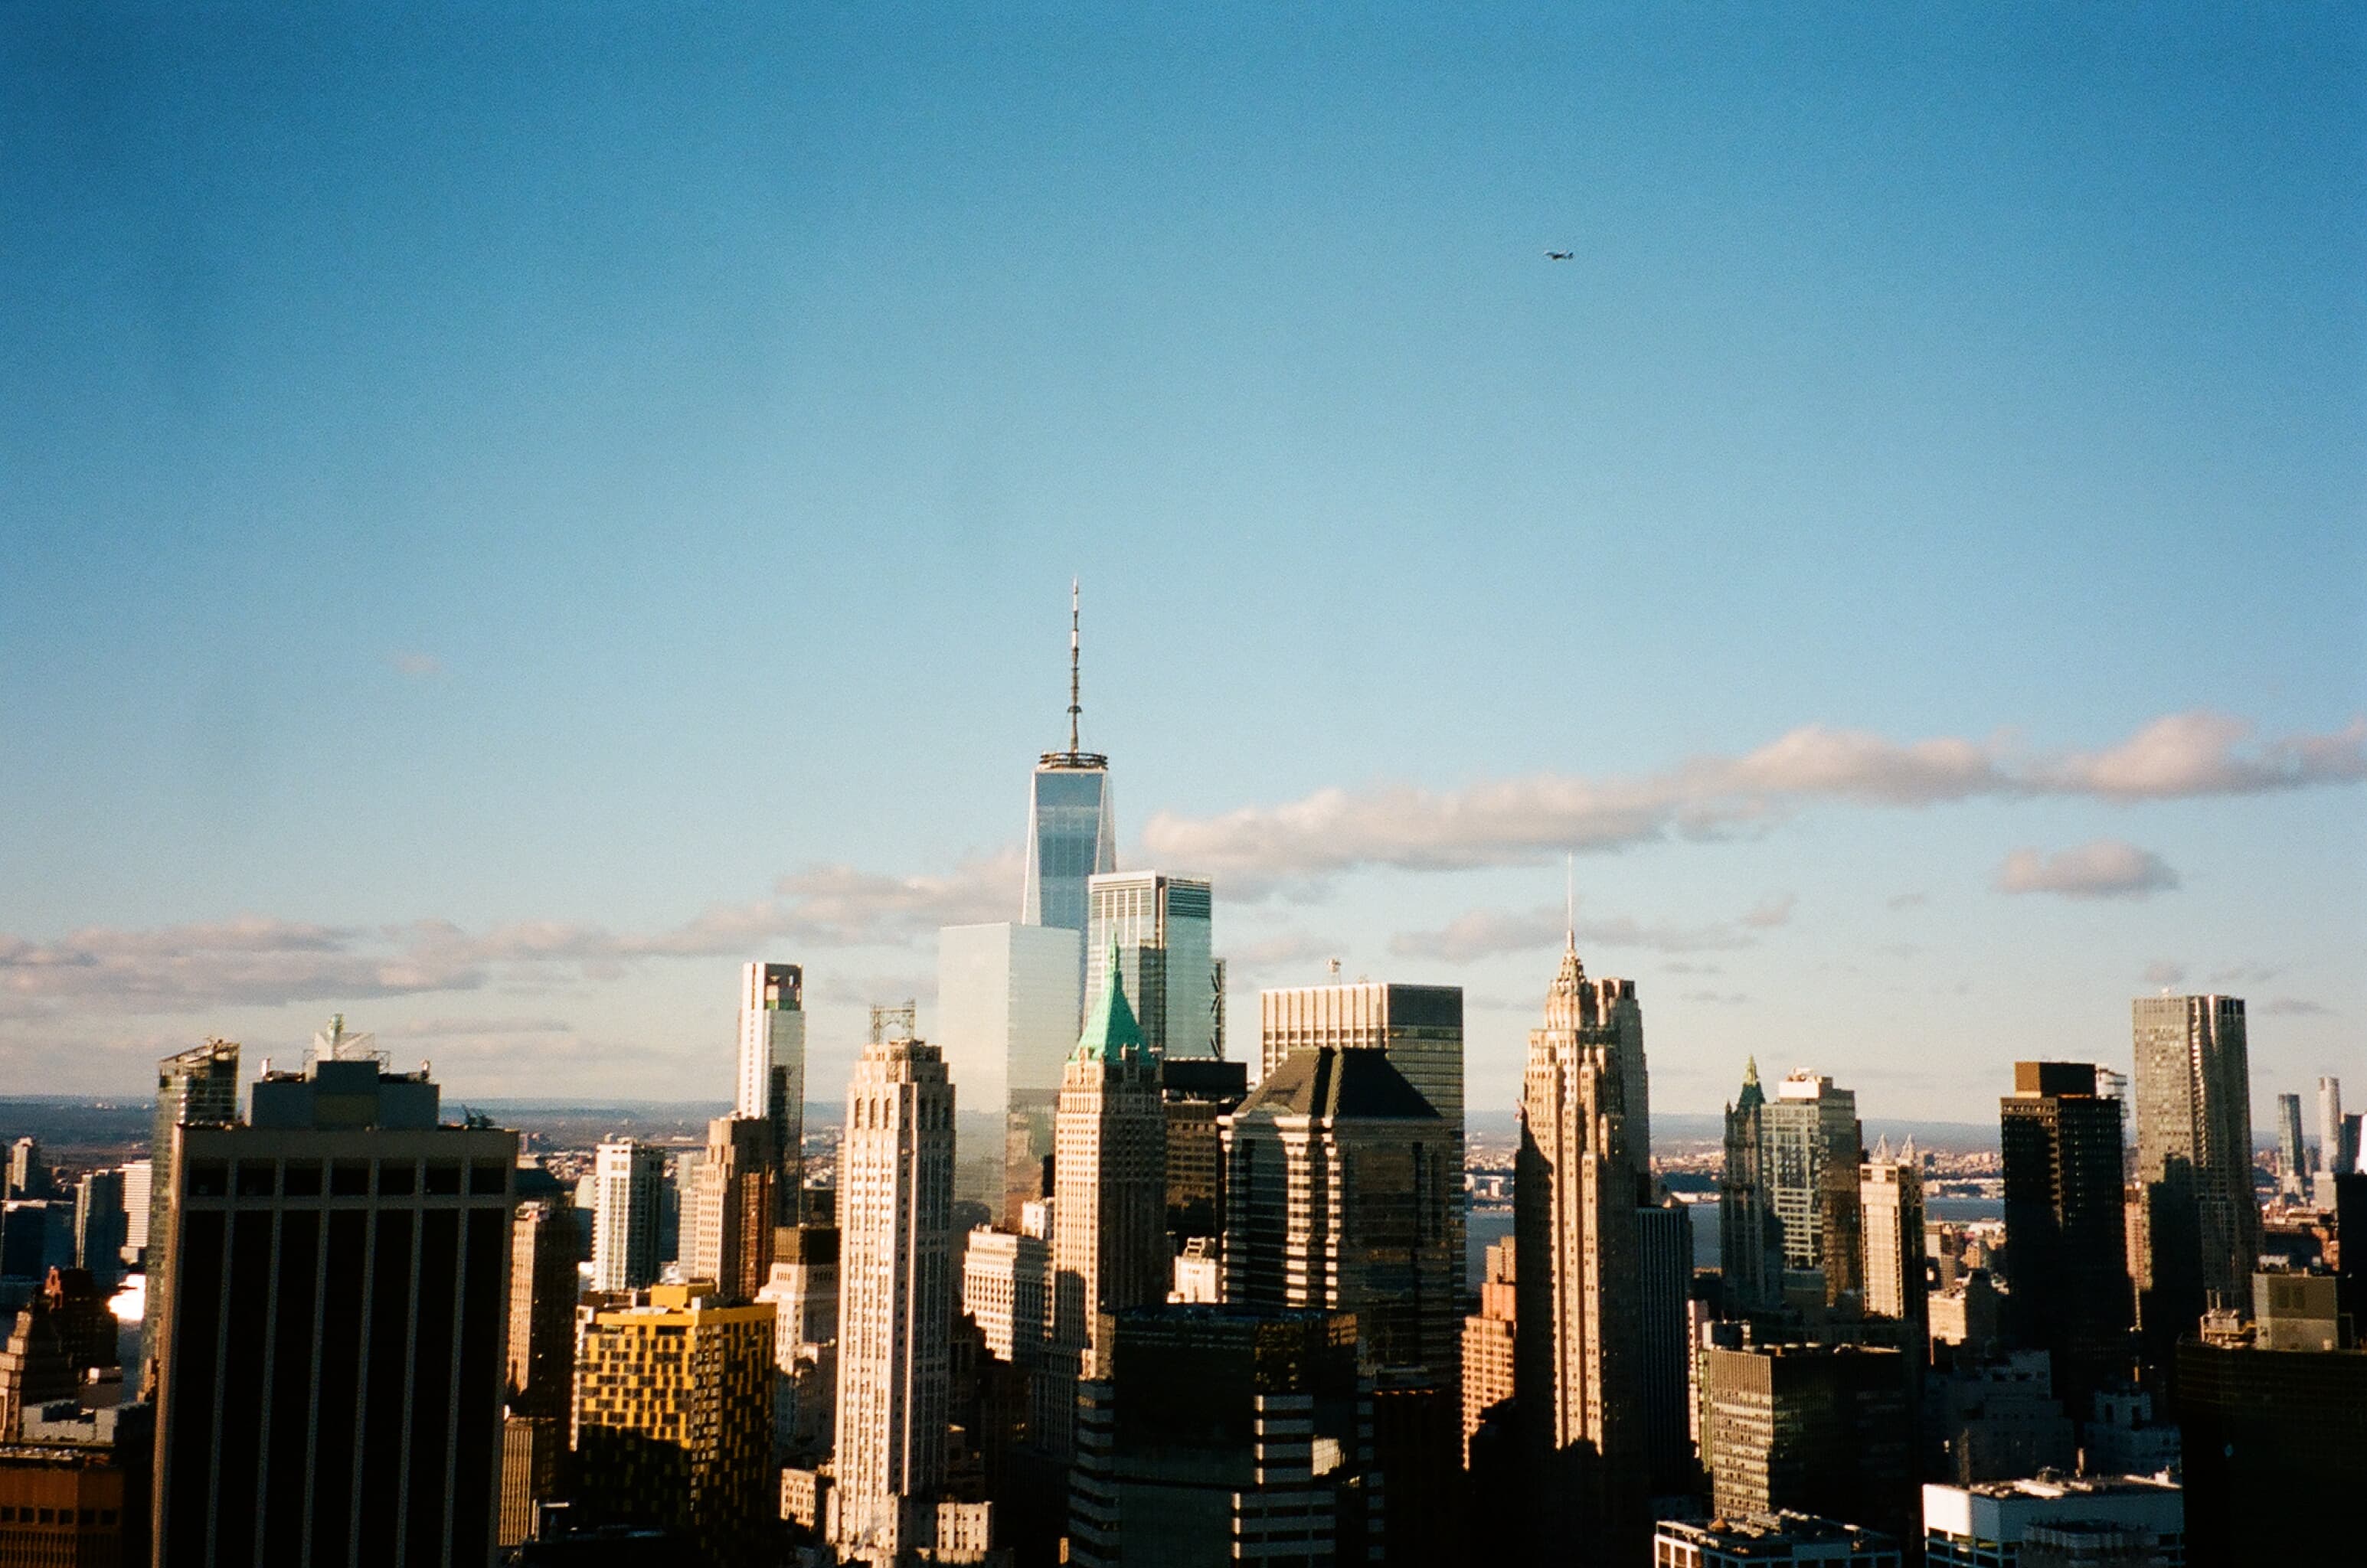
(627, 1177)
(1156, 926)
(199, 1087)
(333, 1341)
(1222, 1434)
(1418, 1028)
(733, 1209)
(1751, 1238)
(29, 1173)
(1487, 1343)
(673, 1420)
(2202, 1228)
(1007, 1018)
(772, 1076)
(1340, 1185)
(1578, 1368)
(1109, 1203)
(1071, 825)
(2066, 1223)
(896, 1300)
(1890, 1199)
(803, 1293)
(99, 1227)
(2293, 1155)
(1664, 1247)
(2333, 1157)
(1813, 1145)
(1817, 1429)
(538, 1385)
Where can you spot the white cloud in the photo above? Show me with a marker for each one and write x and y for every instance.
(1772, 911)
(1483, 934)
(1909, 900)
(2104, 869)
(2294, 1007)
(1523, 820)
(2165, 972)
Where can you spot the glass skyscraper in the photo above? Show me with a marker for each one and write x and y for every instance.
(1072, 827)
(1157, 926)
(1006, 1020)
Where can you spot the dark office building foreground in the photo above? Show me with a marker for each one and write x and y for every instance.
(2065, 1230)
(1225, 1434)
(332, 1343)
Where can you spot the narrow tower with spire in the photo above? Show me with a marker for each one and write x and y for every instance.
(1750, 1245)
(1582, 1173)
(1071, 820)
(1109, 1196)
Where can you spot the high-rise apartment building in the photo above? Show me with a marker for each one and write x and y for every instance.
(197, 1087)
(1071, 826)
(803, 1293)
(771, 1083)
(1577, 1191)
(1224, 1434)
(1812, 1148)
(1751, 1238)
(539, 1383)
(1007, 1018)
(1418, 1028)
(733, 1207)
(627, 1178)
(1340, 1185)
(1890, 1200)
(1487, 1343)
(896, 1300)
(1816, 1429)
(100, 1226)
(2202, 1228)
(673, 1421)
(1156, 927)
(1109, 1203)
(333, 1342)
(2334, 1154)
(2066, 1223)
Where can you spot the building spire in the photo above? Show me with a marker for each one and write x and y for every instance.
(1074, 706)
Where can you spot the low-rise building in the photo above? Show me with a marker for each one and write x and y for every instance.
(2007, 1524)
(1770, 1541)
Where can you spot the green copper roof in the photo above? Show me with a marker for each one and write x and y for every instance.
(1111, 1033)
(1752, 1094)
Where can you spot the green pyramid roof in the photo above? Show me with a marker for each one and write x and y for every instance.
(1112, 1033)
(1751, 1093)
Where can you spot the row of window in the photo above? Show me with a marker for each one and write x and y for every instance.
(28, 1516)
(345, 1177)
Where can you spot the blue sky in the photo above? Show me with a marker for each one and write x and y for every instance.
(508, 516)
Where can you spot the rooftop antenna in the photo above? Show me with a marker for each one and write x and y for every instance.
(1074, 706)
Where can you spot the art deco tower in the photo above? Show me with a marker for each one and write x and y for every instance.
(896, 1300)
(1109, 1206)
(1750, 1241)
(772, 1076)
(1578, 1363)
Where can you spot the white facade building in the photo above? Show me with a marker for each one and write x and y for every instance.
(627, 1178)
(1986, 1526)
(1006, 1286)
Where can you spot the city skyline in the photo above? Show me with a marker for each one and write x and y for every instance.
(506, 592)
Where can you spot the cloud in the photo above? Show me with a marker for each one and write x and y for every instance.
(419, 666)
(2250, 973)
(2165, 972)
(2294, 1007)
(1484, 933)
(1522, 820)
(451, 1028)
(2104, 869)
(1772, 911)
(1909, 900)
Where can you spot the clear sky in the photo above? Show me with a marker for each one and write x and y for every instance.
(506, 513)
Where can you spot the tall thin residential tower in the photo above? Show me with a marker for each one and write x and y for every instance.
(771, 1078)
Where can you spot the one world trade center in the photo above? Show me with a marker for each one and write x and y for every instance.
(1072, 824)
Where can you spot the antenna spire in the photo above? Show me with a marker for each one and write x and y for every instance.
(1074, 707)
(1570, 900)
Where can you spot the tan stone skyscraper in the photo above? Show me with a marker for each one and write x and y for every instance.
(732, 1207)
(896, 1300)
(1109, 1196)
(1578, 1362)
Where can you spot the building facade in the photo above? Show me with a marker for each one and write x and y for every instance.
(1007, 1287)
(733, 1207)
(1579, 1366)
(1751, 1238)
(2132, 1521)
(1890, 1202)
(2066, 1230)
(199, 1088)
(1007, 1018)
(2202, 1229)
(673, 1420)
(1814, 1148)
(1487, 1343)
(333, 1340)
(629, 1179)
(896, 1300)
(1814, 1429)
(1157, 928)
(803, 1293)
(1340, 1185)
(770, 1084)
(1071, 826)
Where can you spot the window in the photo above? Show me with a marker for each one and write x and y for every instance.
(301, 1178)
(209, 1178)
(443, 1179)
(397, 1177)
(349, 1179)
